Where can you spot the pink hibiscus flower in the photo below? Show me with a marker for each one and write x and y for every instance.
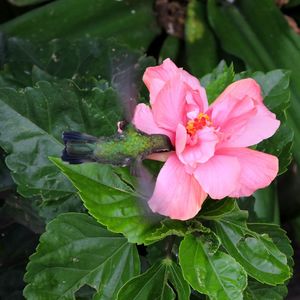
(210, 156)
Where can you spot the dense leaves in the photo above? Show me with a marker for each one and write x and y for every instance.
(257, 253)
(33, 118)
(97, 19)
(216, 82)
(75, 250)
(51, 85)
(32, 121)
(154, 284)
(85, 61)
(256, 291)
(209, 270)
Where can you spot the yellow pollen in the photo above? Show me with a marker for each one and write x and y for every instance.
(198, 123)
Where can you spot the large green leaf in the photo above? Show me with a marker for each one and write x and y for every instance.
(26, 2)
(76, 251)
(263, 39)
(6, 181)
(200, 43)
(131, 22)
(32, 121)
(278, 236)
(154, 284)
(38, 115)
(257, 253)
(216, 82)
(209, 270)
(256, 291)
(83, 60)
(110, 194)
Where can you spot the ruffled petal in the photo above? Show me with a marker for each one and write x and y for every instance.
(169, 107)
(177, 194)
(241, 116)
(218, 176)
(241, 88)
(194, 83)
(143, 120)
(258, 170)
(156, 77)
(200, 151)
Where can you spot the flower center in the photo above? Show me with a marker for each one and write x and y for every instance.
(198, 123)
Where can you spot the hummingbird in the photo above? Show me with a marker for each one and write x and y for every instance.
(129, 146)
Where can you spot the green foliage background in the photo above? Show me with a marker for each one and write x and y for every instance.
(57, 61)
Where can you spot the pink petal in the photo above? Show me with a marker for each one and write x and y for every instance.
(258, 170)
(257, 128)
(181, 138)
(240, 89)
(194, 83)
(218, 176)
(177, 194)
(241, 116)
(200, 151)
(143, 120)
(156, 77)
(169, 106)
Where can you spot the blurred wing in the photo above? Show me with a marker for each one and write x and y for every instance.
(124, 75)
(145, 180)
(124, 78)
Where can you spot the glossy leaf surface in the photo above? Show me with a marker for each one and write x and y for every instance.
(209, 270)
(154, 284)
(32, 121)
(257, 253)
(256, 291)
(75, 251)
(110, 195)
(102, 18)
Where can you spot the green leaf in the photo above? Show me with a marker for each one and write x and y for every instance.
(6, 181)
(110, 194)
(209, 270)
(26, 2)
(266, 205)
(263, 45)
(75, 250)
(32, 121)
(83, 60)
(170, 48)
(132, 23)
(278, 236)
(22, 211)
(154, 284)
(200, 43)
(256, 291)
(257, 253)
(216, 82)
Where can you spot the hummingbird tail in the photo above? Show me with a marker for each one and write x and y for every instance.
(79, 147)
